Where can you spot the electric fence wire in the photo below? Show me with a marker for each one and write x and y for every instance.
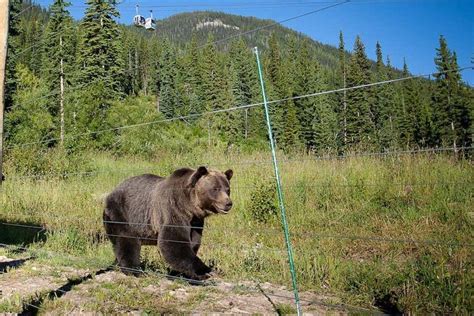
(20, 289)
(24, 10)
(240, 189)
(71, 258)
(218, 41)
(225, 39)
(65, 175)
(257, 289)
(53, 291)
(260, 246)
(293, 98)
(246, 248)
(205, 5)
(194, 115)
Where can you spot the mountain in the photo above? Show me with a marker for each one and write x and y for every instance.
(180, 27)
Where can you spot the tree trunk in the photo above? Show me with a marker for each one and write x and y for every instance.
(61, 96)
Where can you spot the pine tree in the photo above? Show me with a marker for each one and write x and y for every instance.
(133, 47)
(386, 129)
(168, 91)
(191, 90)
(342, 108)
(406, 115)
(245, 88)
(360, 127)
(230, 124)
(377, 98)
(451, 111)
(100, 49)
(283, 114)
(57, 58)
(14, 32)
(316, 116)
(216, 91)
(209, 76)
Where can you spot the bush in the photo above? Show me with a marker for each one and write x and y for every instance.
(263, 206)
(29, 161)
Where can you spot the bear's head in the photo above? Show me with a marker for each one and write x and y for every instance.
(212, 190)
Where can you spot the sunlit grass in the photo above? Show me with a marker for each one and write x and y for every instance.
(351, 223)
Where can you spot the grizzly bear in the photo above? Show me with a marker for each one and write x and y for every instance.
(167, 212)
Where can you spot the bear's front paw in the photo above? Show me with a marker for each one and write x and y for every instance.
(202, 277)
(202, 269)
(213, 274)
(206, 276)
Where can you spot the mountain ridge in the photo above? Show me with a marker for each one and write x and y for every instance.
(179, 28)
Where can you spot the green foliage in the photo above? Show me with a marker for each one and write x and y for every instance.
(104, 62)
(120, 77)
(423, 197)
(37, 161)
(99, 57)
(360, 126)
(168, 75)
(86, 112)
(59, 44)
(452, 120)
(29, 120)
(285, 309)
(154, 137)
(263, 206)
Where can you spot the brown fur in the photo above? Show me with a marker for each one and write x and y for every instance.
(168, 212)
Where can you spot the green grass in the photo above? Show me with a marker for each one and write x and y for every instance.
(422, 197)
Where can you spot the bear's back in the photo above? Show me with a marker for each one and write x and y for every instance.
(131, 200)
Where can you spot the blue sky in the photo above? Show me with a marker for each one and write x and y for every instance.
(405, 28)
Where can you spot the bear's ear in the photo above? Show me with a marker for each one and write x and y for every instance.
(201, 171)
(229, 173)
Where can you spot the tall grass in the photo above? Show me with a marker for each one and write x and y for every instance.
(396, 232)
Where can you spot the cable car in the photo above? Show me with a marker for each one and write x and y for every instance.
(138, 19)
(150, 23)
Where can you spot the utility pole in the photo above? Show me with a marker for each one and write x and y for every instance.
(3, 62)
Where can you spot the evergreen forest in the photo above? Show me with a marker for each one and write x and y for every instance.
(116, 75)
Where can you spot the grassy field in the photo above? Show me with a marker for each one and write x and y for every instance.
(395, 231)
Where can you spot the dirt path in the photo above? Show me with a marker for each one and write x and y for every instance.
(29, 288)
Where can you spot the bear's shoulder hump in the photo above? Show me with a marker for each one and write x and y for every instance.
(181, 172)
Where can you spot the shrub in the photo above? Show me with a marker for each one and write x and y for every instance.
(263, 206)
(29, 161)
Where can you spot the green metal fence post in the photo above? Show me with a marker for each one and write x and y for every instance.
(279, 189)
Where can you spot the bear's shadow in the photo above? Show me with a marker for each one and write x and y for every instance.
(20, 234)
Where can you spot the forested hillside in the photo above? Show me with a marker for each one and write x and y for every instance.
(183, 69)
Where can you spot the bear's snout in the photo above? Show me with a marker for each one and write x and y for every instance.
(228, 206)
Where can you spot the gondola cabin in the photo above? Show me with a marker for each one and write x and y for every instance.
(150, 23)
(138, 19)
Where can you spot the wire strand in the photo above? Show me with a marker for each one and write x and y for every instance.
(250, 162)
(236, 108)
(317, 235)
